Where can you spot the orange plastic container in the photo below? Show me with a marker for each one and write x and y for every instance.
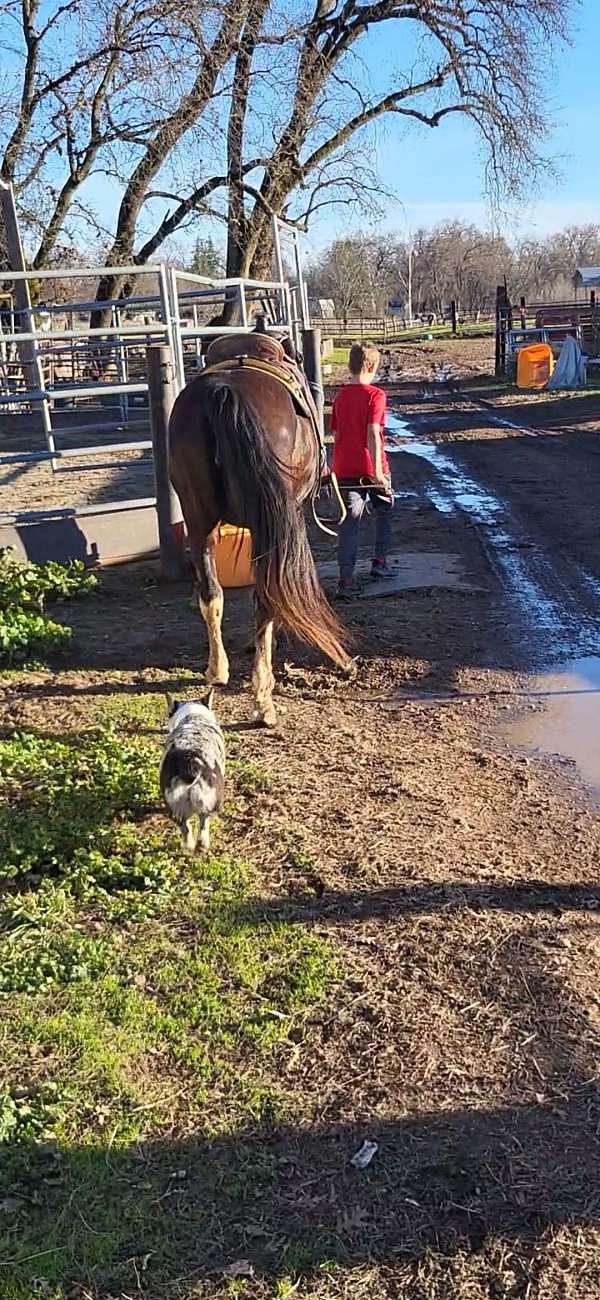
(233, 556)
(534, 365)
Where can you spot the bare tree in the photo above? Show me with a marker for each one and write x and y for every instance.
(60, 116)
(240, 109)
(545, 268)
(341, 273)
(479, 61)
(450, 261)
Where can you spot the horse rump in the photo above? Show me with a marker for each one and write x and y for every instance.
(259, 491)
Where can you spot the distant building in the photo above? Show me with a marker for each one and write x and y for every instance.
(588, 277)
(321, 308)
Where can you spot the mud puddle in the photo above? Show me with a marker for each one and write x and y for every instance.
(547, 607)
(568, 724)
(553, 606)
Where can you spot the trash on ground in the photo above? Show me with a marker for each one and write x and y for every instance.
(239, 1268)
(364, 1156)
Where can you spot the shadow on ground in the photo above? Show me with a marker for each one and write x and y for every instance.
(289, 1199)
(284, 1199)
(335, 908)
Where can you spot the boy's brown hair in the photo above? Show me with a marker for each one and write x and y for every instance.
(363, 356)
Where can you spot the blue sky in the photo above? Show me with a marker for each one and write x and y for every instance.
(438, 174)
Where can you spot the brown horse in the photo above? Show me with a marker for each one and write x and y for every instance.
(241, 454)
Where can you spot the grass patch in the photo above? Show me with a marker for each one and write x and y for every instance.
(25, 590)
(31, 586)
(143, 1004)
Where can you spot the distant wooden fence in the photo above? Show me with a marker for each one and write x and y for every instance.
(387, 328)
(382, 327)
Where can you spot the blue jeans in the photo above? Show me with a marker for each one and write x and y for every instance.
(349, 530)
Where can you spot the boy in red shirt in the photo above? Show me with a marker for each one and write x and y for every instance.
(359, 459)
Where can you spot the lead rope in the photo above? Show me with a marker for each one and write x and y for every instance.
(322, 461)
(340, 500)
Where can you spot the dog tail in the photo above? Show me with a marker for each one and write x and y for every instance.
(178, 773)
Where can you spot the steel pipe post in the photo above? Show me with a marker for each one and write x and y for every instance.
(311, 349)
(162, 391)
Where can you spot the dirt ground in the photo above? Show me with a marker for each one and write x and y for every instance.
(456, 878)
(462, 356)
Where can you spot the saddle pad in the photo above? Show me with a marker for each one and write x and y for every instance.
(284, 374)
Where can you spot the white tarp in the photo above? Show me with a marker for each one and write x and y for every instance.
(571, 367)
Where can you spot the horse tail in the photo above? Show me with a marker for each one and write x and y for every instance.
(257, 489)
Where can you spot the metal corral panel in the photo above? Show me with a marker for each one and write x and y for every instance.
(110, 536)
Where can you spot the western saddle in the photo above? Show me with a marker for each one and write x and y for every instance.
(262, 352)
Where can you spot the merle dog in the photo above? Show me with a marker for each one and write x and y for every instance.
(192, 771)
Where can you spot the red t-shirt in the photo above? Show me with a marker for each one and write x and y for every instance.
(354, 409)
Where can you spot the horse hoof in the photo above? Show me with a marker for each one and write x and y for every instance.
(217, 679)
(350, 670)
(265, 717)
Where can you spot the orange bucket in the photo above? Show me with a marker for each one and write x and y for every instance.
(233, 557)
(534, 365)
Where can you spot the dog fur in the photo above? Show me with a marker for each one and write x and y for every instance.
(192, 770)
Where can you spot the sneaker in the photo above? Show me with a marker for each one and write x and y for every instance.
(381, 569)
(346, 591)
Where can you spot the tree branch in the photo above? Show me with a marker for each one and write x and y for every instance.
(390, 104)
(175, 126)
(27, 104)
(235, 131)
(79, 167)
(193, 202)
(46, 149)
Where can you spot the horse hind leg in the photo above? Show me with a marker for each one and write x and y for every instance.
(211, 607)
(263, 679)
(217, 673)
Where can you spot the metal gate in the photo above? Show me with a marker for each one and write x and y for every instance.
(92, 381)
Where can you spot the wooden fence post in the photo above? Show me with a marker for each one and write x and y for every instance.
(161, 397)
(453, 316)
(499, 326)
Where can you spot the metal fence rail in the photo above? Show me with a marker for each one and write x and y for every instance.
(115, 336)
(64, 355)
(74, 512)
(120, 346)
(31, 457)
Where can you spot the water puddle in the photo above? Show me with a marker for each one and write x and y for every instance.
(565, 718)
(569, 723)
(454, 490)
